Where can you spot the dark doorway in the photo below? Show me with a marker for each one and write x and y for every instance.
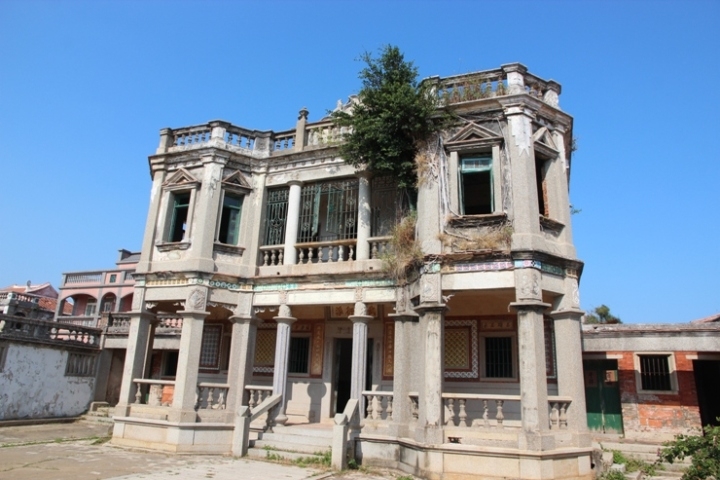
(707, 373)
(343, 370)
(602, 395)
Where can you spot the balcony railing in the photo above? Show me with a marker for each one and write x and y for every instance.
(326, 252)
(49, 332)
(464, 410)
(6, 297)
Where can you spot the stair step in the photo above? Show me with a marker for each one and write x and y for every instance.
(270, 454)
(304, 448)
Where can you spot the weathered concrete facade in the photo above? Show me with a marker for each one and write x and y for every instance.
(46, 369)
(264, 249)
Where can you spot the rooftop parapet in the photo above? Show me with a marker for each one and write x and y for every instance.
(510, 79)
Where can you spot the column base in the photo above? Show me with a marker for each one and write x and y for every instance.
(182, 416)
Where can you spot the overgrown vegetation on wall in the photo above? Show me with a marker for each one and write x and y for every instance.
(395, 115)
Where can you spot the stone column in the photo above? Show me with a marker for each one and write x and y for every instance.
(402, 370)
(135, 356)
(280, 370)
(364, 217)
(293, 219)
(242, 355)
(186, 379)
(526, 216)
(359, 351)
(558, 180)
(568, 347)
(431, 403)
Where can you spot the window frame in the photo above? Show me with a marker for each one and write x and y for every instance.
(464, 173)
(483, 355)
(240, 195)
(672, 373)
(170, 193)
(489, 149)
(216, 327)
(308, 359)
(92, 311)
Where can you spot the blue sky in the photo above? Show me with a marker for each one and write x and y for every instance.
(85, 87)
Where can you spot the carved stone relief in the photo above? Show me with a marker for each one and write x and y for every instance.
(196, 299)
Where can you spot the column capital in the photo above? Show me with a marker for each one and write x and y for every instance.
(430, 307)
(535, 305)
(569, 314)
(402, 316)
(196, 314)
(285, 320)
(294, 182)
(364, 173)
(360, 318)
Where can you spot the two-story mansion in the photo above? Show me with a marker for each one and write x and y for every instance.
(268, 249)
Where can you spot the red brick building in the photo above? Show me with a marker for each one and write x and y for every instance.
(652, 381)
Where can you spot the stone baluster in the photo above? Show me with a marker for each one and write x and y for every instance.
(463, 413)
(351, 251)
(563, 420)
(554, 416)
(198, 396)
(251, 398)
(265, 258)
(389, 410)
(499, 417)
(369, 410)
(374, 251)
(341, 253)
(138, 392)
(450, 406)
(301, 255)
(486, 414)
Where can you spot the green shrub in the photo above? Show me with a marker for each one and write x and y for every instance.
(704, 450)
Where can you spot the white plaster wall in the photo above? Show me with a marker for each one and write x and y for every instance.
(33, 384)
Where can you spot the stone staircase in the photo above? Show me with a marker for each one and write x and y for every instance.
(308, 443)
(647, 452)
(99, 413)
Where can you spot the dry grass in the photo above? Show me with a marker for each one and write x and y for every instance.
(498, 238)
(403, 252)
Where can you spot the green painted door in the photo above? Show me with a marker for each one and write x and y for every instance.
(602, 396)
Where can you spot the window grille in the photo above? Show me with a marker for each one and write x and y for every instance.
(276, 215)
(550, 355)
(299, 354)
(655, 372)
(80, 365)
(498, 357)
(210, 349)
(328, 211)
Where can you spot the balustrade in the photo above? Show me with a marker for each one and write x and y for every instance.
(211, 396)
(379, 405)
(95, 277)
(493, 83)
(378, 246)
(273, 255)
(153, 391)
(170, 321)
(256, 394)
(326, 252)
(45, 331)
(491, 408)
(321, 135)
(283, 141)
(239, 137)
(184, 137)
(81, 320)
(118, 323)
(558, 412)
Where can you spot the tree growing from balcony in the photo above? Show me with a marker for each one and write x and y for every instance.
(394, 116)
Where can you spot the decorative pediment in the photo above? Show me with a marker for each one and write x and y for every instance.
(473, 135)
(181, 178)
(236, 181)
(543, 138)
